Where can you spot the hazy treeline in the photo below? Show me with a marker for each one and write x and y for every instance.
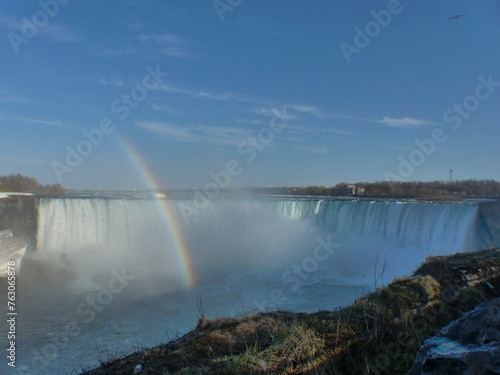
(24, 184)
(433, 188)
(399, 189)
(310, 190)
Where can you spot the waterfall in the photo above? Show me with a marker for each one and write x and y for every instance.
(445, 227)
(388, 235)
(77, 223)
(94, 236)
(237, 234)
(118, 223)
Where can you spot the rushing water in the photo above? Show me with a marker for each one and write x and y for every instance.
(106, 277)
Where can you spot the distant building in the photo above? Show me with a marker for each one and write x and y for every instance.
(348, 190)
(360, 191)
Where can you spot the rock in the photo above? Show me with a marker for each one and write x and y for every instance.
(469, 345)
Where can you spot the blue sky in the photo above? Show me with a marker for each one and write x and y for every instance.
(411, 96)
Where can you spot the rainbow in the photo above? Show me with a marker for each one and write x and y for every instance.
(167, 214)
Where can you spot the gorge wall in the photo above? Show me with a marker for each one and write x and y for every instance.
(20, 215)
(490, 213)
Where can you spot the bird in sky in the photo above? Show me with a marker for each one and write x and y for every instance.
(456, 17)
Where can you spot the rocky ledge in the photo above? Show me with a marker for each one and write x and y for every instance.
(469, 345)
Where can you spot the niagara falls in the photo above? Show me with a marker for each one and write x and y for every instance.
(111, 273)
(249, 187)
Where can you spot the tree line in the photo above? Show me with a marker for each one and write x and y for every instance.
(433, 188)
(23, 184)
(398, 189)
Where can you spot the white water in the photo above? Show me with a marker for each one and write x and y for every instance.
(243, 251)
(442, 227)
(92, 236)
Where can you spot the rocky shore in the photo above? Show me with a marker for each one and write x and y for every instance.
(381, 333)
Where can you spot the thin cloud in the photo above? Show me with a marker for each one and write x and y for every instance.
(204, 94)
(313, 150)
(297, 132)
(322, 113)
(354, 118)
(117, 82)
(55, 32)
(40, 121)
(228, 136)
(169, 131)
(285, 111)
(113, 52)
(162, 108)
(273, 111)
(62, 34)
(269, 108)
(405, 122)
(167, 44)
(286, 114)
(252, 122)
(310, 110)
(314, 130)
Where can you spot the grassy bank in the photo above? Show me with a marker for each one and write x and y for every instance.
(379, 334)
